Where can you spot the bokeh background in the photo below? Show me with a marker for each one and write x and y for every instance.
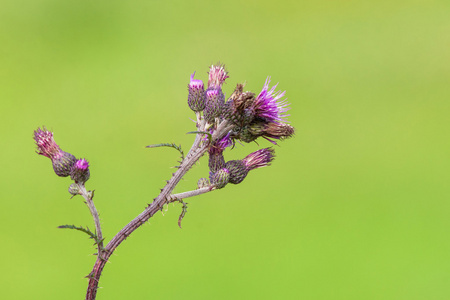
(356, 206)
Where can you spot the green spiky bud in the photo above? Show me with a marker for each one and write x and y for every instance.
(246, 135)
(203, 182)
(74, 189)
(237, 171)
(238, 108)
(221, 178)
(63, 163)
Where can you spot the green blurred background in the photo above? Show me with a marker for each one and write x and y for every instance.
(356, 206)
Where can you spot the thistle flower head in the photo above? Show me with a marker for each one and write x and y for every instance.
(196, 97)
(267, 105)
(45, 143)
(80, 171)
(217, 76)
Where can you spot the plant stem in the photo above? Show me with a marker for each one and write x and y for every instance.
(90, 203)
(176, 197)
(199, 147)
(192, 157)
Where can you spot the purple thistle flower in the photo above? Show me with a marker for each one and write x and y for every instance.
(82, 164)
(62, 161)
(196, 97)
(266, 106)
(217, 76)
(220, 145)
(80, 171)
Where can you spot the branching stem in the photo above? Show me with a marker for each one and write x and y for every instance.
(197, 150)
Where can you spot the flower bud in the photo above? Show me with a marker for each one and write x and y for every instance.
(196, 97)
(203, 182)
(74, 189)
(246, 135)
(80, 171)
(62, 165)
(215, 99)
(220, 178)
(237, 171)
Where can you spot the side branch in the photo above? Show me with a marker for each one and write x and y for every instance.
(177, 197)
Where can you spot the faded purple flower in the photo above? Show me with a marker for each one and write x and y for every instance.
(46, 144)
(217, 76)
(267, 130)
(238, 109)
(259, 159)
(62, 161)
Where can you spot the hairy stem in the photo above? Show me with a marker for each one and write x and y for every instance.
(90, 203)
(176, 197)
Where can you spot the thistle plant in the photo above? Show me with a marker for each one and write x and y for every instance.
(220, 125)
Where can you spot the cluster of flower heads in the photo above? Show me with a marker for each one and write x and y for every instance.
(64, 163)
(251, 116)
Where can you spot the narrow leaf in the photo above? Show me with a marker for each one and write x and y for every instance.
(168, 145)
(82, 229)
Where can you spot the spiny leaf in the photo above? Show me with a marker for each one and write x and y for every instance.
(82, 229)
(183, 213)
(202, 132)
(172, 145)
